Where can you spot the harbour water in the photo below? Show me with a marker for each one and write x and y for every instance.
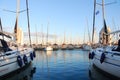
(60, 65)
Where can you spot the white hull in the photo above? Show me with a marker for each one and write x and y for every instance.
(8, 63)
(111, 64)
(49, 48)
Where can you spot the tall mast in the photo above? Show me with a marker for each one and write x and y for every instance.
(42, 33)
(93, 21)
(17, 11)
(88, 32)
(1, 28)
(28, 23)
(64, 37)
(103, 10)
(47, 34)
(16, 23)
(84, 38)
(55, 38)
(104, 23)
(71, 39)
(36, 36)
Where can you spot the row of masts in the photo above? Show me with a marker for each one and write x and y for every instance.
(93, 32)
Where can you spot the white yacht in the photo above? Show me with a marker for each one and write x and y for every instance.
(106, 58)
(13, 59)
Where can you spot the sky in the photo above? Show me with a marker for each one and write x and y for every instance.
(73, 17)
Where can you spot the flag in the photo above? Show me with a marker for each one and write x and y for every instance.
(97, 12)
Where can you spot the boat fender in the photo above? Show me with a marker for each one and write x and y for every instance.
(102, 58)
(31, 56)
(25, 59)
(19, 60)
(92, 55)
(34, 55)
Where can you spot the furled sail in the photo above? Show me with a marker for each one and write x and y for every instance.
(18, 33)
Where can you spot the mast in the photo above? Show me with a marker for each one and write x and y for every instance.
(47, 34)
(71, 39)
(17, 11)
(104, 24)
(64, 38)
(42, 34)
(103, 10)
(28, 23)
(36, 36)
(84, 38)
(88, 32)
(16, 23)
(55, 39)
(93, 22)
(1, 28)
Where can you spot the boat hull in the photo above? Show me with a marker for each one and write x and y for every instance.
(9, 63)
(110, 65)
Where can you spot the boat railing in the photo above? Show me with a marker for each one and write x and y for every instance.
(8, 53)
(113, 53)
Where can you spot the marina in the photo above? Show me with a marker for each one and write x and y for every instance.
(59, 65)
(59, 40)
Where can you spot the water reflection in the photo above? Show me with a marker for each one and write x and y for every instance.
(65, 65)
(24, 74)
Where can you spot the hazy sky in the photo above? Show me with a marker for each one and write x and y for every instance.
(70, 16)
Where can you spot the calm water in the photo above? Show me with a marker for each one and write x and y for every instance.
(60, 65)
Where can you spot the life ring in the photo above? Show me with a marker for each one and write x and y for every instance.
(34, 55)
(19, 61)
(31, 56)
(102, 58)
(25, 59)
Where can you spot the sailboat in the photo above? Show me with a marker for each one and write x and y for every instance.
(87, 46)
(55, 45)
(11, 59)
(64, 46)
(70, 46)
(38, 46)
(48, 46)
(106, 58)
